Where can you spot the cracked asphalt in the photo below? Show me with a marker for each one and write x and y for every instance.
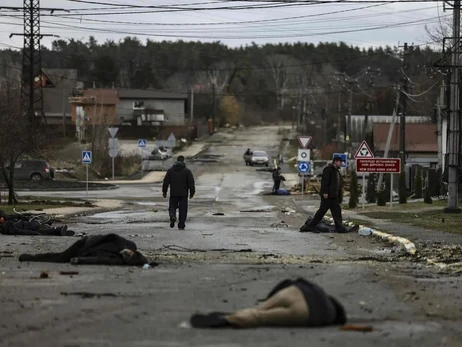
(220, 263)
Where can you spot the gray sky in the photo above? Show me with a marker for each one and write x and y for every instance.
(398, 22)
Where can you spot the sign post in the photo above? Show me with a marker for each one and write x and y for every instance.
(364, 151)
(142, 143)
(304, 156)
(380, 165)
(86, 159)
(113, 146)
(304, 168)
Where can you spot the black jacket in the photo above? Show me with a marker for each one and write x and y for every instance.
(323, 309)
(332, 182)
(180, 179)
(97, 249)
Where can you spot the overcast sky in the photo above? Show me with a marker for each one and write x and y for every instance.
(348, 22)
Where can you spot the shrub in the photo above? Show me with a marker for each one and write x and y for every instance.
(418, 183)
(371, 190)
(353, 203)
(402, 188)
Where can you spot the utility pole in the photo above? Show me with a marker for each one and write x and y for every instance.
(31, 81)
(372, 74)
(213, 102)
(454, 117)
(404, 92)
(191, 106)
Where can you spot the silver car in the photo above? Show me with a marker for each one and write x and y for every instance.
(259, 158)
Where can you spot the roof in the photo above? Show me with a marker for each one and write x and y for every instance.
(99, 96)
(357, 123)
(419, 137)
(150, 94)
(67, 77)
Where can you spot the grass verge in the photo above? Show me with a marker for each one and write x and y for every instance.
(397, 207)
(433, 220)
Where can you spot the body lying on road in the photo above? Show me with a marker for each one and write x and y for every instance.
(325, 227)
(110, 249)
(32, 228)
(291, 303)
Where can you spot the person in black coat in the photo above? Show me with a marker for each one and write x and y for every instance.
(181, 182)
(110, 249)
(291, 303)
(10, 226)
(331, 197)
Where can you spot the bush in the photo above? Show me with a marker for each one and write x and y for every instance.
(402, 188)
(353, 203)
(371, 190)
(381, 200)
(418, 183)
(428, 193)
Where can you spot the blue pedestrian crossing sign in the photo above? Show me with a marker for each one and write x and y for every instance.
(343, 156)
(142, 143)
(86, 157)
(304, 167)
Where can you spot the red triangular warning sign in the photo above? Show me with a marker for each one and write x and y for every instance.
(304, 141)
(364, 151)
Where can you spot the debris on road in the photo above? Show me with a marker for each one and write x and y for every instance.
(88, 295)
(281, 224)
(44, 274)
(361, 328)
(219, 214)
(68, 273)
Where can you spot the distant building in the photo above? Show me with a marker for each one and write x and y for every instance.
(151, 107)
(94, 107)
(421, 143)
(58, 85)
(358, 122)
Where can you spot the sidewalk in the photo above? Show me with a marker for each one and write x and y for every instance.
(71, 210)
(158, 176)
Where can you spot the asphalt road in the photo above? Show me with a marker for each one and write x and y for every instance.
(220, 262)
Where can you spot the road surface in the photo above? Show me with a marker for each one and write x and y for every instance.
(219, 263)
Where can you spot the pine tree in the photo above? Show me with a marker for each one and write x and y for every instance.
(402, 188)
(418, 183)
(371, 192)
(353, 203)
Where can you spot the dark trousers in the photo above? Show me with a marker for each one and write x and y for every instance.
(276, 185)
(328, 204)
(32, 228)
(181, 203)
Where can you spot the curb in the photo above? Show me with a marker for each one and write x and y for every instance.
(67, 189)
(404, 244)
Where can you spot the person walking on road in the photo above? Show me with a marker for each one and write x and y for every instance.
(277, 178)
(331, 197)
(181, 182)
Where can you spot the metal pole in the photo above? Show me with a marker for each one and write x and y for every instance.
(303, 184)
(87, 179)
(402, 132)
(141, 149)
(191, 106)
(350, 106)
(454, 118)
(364, 189)
(391, 191)
(390, 134)
(113, 168)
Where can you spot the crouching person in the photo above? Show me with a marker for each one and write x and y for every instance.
(291, 303)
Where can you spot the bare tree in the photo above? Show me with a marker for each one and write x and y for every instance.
(280, 67)
(18, 136)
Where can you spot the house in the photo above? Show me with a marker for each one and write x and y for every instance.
(421, 143)
(151, 107)
(57, 85)
(358, 122)
(95, 107)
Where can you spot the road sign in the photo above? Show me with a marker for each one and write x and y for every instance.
(86, 157)
(113, 131)
(343, 156)
(113, 152)
(364, 151)
(304, 167)
(378, 165)
(113, 143)
(142, 143)
(304, 141)
(304, 155)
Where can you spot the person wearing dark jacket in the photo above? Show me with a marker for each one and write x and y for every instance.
(181, 182)
(291, 303)
(277, 178)
(110, 249)
(32, 228)
(331, 197)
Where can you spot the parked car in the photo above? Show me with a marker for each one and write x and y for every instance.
(35, 170)
(259, 158)
(158, 154)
